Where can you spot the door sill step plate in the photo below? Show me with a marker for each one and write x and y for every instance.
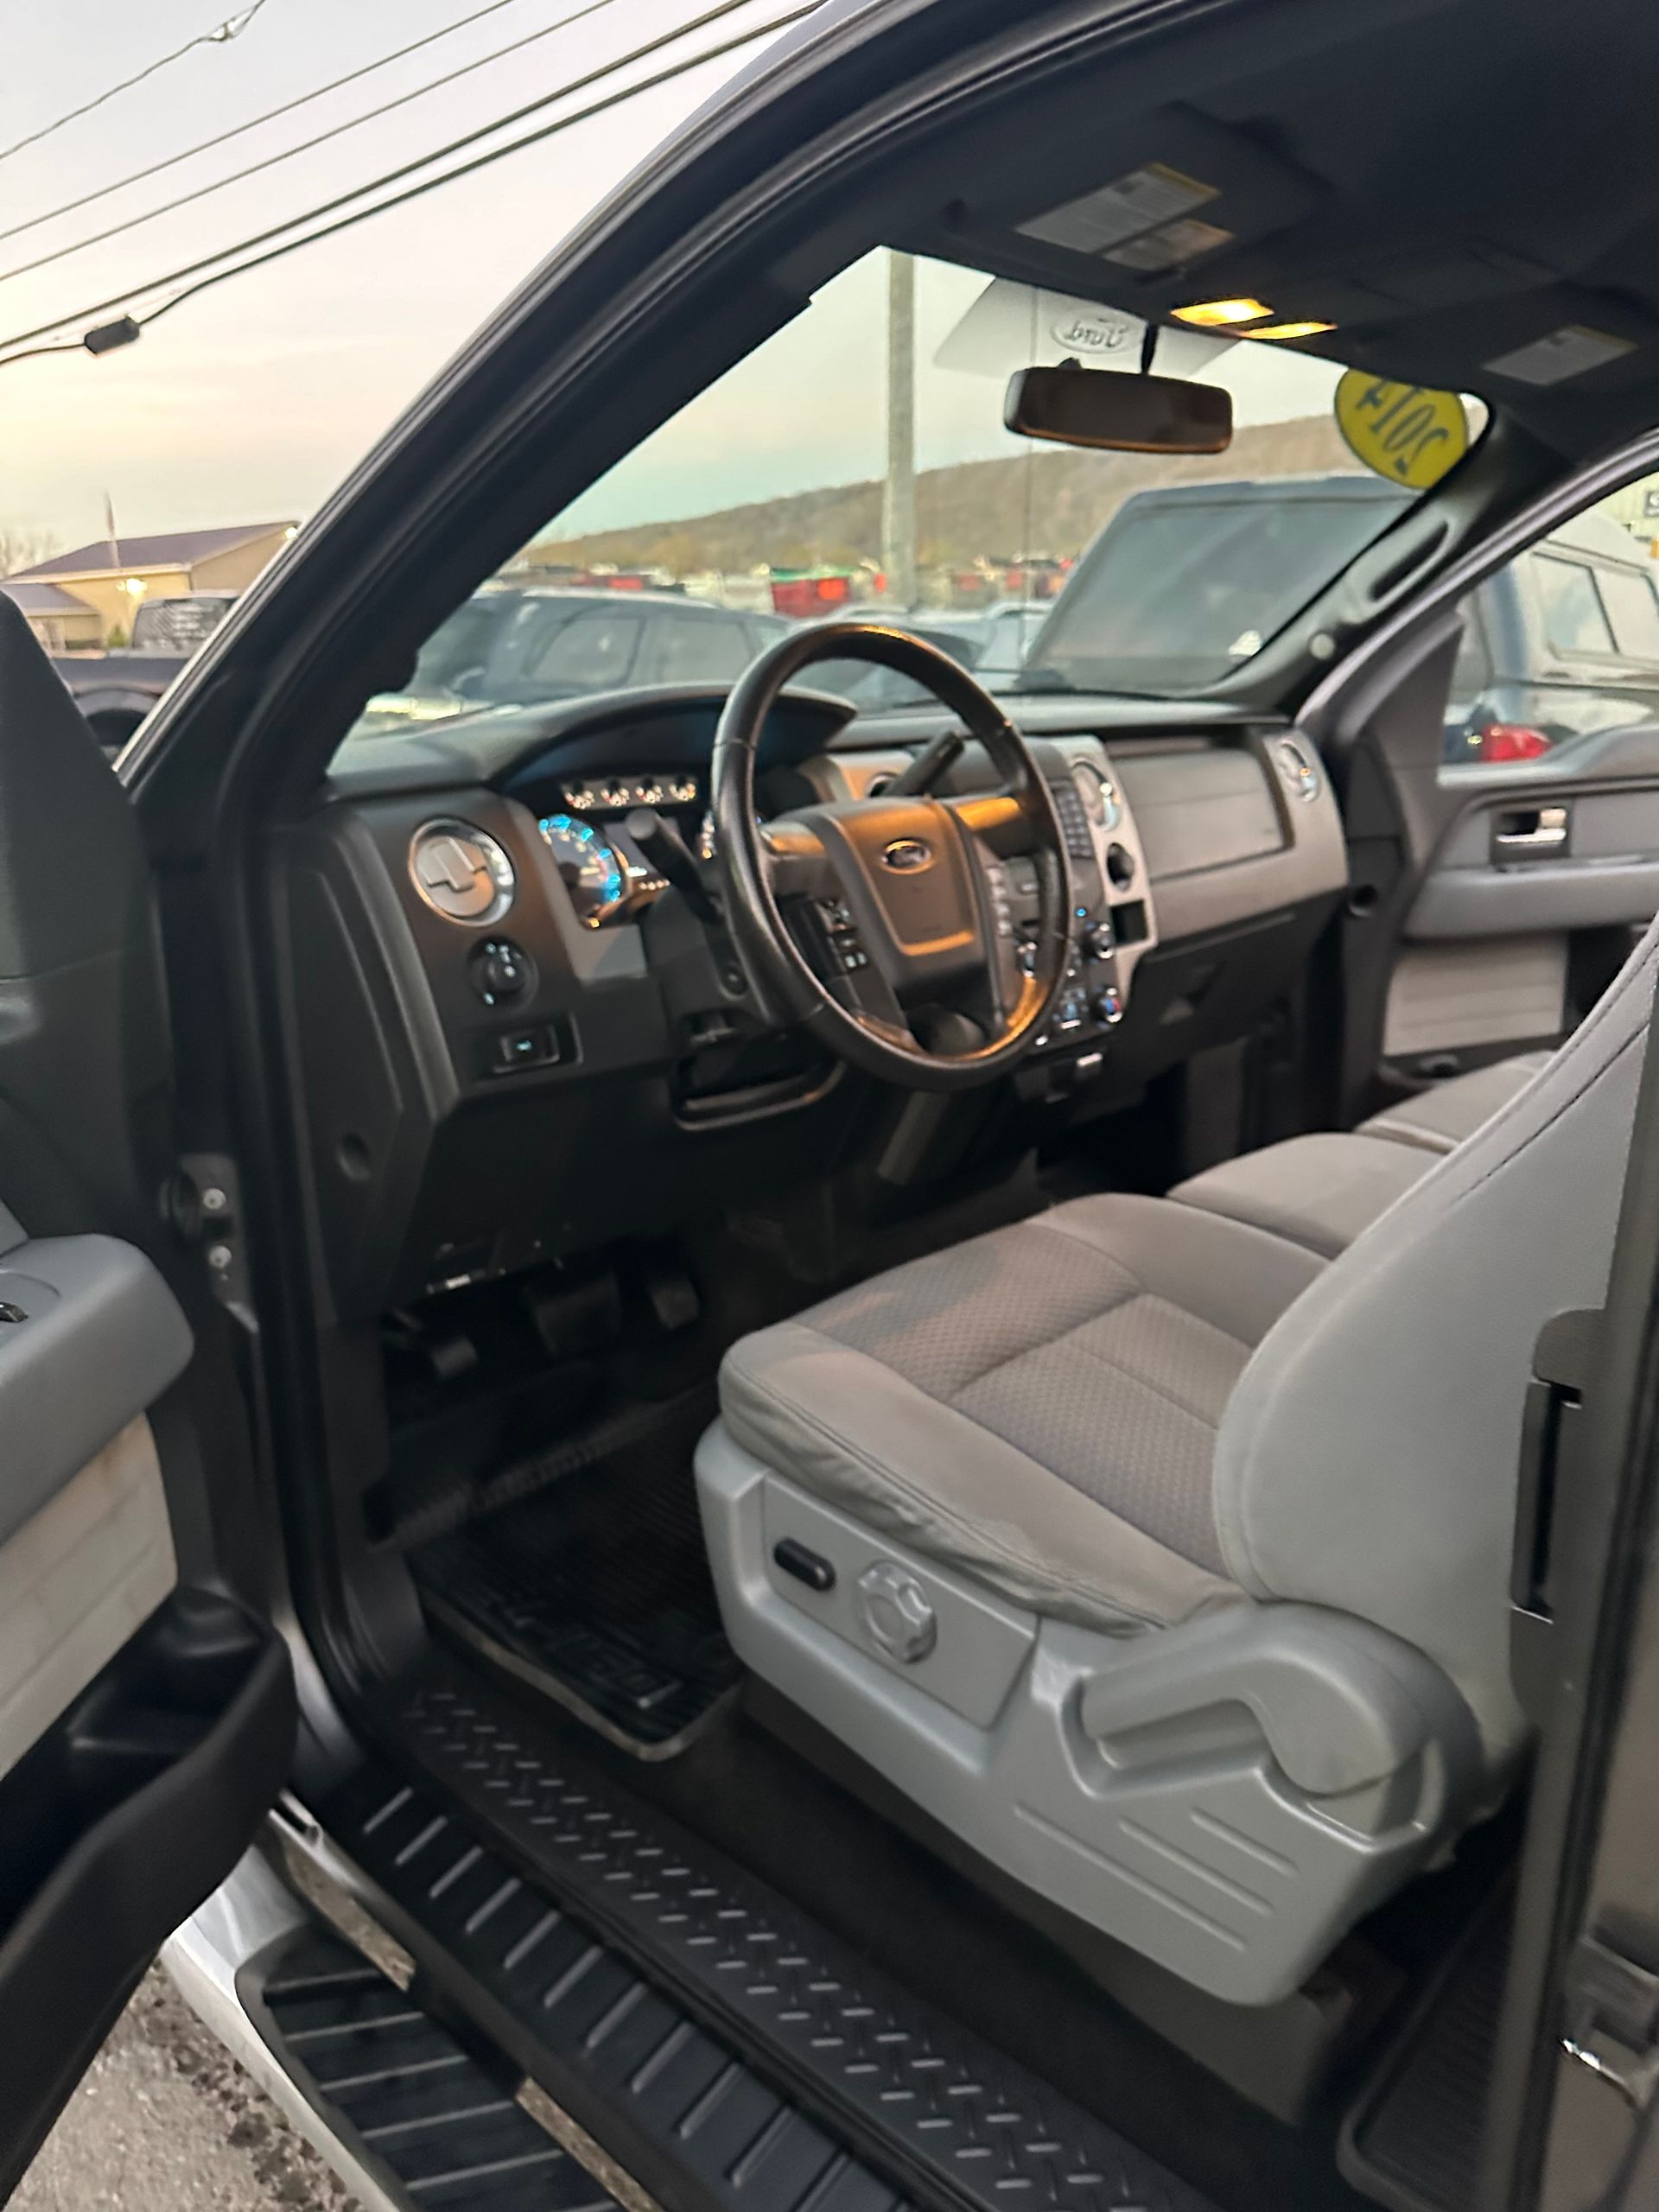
(719, 2042)
(404, 2095)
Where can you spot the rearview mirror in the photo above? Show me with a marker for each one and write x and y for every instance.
(1119, 412)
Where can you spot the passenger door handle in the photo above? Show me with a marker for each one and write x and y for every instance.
(1529, 833)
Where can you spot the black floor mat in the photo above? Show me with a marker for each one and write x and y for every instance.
(597, 1593)
(1414, 2140)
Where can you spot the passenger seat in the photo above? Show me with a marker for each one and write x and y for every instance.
(1320, 1191)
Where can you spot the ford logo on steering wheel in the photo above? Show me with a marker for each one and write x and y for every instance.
(908, 855)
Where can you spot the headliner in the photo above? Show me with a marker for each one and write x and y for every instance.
(1446, 181)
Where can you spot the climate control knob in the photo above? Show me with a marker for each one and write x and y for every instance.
(1108, 1006)
(1097, 941)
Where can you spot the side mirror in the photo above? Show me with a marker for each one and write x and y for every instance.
(1112, 411)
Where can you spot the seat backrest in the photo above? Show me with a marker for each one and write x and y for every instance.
(1368, 1456)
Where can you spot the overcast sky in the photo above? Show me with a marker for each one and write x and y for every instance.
(249, 404)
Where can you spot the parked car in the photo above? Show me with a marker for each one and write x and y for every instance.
(180, 623)
(547, 643)
(116, 690)
(1187, 578)
(1562, 643)
(875, 689)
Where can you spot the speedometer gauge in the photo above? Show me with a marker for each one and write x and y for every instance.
(593, 873)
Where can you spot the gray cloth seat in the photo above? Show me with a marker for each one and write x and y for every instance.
(1321, 1190)
(1034, 1404)
(1165, 1559)
(1441, 1117)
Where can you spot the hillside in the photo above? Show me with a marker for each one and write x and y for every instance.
(1045, 502)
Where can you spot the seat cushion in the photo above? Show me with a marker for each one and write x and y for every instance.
(1322, 1190)
(1319, 1191)
(1442, 1116)
(1037, 1406)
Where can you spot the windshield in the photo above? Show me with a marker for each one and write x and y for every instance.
(856, 463)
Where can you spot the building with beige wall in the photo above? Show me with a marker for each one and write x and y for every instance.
(83, 598)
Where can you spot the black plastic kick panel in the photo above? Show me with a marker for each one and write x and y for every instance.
(723, 2045)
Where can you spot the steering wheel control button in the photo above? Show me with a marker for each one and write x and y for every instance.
(501, 972)
(808, 1566)
(847, 953)
(996, 877)
(461, 872)
(899, 1615)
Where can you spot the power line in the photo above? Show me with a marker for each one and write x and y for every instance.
(271, 115)
(33, 353)
(128, 327)
(221, 34)
(424, 160)
(305, 146)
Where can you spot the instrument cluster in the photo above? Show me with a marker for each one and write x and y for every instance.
(606, 875)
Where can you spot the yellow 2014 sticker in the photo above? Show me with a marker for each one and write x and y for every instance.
(1404, 431)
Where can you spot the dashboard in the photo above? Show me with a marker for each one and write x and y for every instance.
(520, 1039)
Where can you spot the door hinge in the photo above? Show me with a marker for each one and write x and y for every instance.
(1612, 2009)
(203, 1202)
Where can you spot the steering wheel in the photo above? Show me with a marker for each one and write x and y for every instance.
(881, 925)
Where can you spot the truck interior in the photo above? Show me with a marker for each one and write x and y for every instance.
(899, 1350)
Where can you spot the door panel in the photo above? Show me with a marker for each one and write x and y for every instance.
(92, 1337)
(1544, 855)
(1490, 902)
(1467, 994)
(79, 1577)
(147, 1714)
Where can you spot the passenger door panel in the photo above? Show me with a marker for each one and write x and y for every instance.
(1490, 902)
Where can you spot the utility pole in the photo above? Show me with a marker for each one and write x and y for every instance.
(899, 491)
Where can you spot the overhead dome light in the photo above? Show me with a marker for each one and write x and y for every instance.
(1218, 314)
(1288, 330)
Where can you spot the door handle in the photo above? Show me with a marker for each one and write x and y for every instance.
(1529, 833)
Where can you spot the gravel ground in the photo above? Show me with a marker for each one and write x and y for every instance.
(167, 2121)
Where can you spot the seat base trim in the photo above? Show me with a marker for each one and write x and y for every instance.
(1167, 1822)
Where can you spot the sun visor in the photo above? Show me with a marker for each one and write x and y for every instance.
(1037, 328)
(1550, 338)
